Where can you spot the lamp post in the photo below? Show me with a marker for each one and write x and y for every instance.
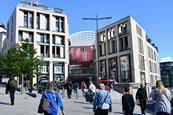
(97, 19)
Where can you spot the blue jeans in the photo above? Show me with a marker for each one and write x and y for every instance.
(162, 113)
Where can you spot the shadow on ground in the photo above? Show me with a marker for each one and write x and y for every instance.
(4, 103)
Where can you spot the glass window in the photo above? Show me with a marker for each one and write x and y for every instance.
(125, 69)
(20, 35)
(38, 21)
(57, 24)
(30, 20)
(25, 19)
(47, 22)
(30, 39)
(139, 30)
(141, 48)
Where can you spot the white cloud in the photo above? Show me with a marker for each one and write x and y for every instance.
(167, 59)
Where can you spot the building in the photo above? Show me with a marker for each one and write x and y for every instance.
(47, 30)
(166, 70)
(3, 34)
(81, 55)
(126, 54)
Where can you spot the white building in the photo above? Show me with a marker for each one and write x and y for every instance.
(126, 54)
(3, 34)
(47, 30)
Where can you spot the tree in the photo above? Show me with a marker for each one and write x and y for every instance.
(21, 60)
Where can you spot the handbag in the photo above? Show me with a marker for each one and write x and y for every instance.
(105, 105)
(44, 105)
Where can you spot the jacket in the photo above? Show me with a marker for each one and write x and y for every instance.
(128, 103)
(54, 102)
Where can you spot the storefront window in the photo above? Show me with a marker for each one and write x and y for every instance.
(125, 69)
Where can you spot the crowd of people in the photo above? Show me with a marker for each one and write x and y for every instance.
(100, 97)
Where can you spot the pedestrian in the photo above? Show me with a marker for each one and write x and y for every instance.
(162, 98)
(83, 87)
(128, 103)
(75, 88)
(92, 91)
(11, 87)
(141, 97)
(54, 100)
(102, 103)
(69, 89)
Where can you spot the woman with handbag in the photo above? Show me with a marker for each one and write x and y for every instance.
(102, 102)
(50, 107)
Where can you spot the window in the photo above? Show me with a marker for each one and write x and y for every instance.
(112, 46)
(28, 19)
(60, 24)
(83, 49)
(30, 39)
(56, 51)
(45, 67)
(20, 35)
(44, 38)
(47, 22)
(123, 44)
(141, 48)
(125, 68)
(58, 40)
(141, 62)
(38, 21)
(44, 50)
(139, 30)
(122, 29)
(112, 63)
(25, 19)
(102, 71)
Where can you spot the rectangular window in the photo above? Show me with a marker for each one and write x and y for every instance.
(57, 24)
(141, 48)
(123, 44)
(38, 21)
(25, 19)
(141, 62)
(125, 68)
(20, 35)
(139, 30)
(44, 38)
(30, 20)
(47, 22)
(30, 39)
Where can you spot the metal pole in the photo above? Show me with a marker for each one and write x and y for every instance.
(97, 46)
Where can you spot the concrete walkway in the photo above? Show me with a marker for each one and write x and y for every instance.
(27, 105)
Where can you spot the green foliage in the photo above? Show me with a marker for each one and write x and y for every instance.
(21, 59)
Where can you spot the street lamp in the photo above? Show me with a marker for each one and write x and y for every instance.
(97, 19)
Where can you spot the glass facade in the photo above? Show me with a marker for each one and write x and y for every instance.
(166, 69)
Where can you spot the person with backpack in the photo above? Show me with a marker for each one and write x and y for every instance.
(50, 101)
(128, 103)
(11, 87)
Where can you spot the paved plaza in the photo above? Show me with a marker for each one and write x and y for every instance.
(27, 105)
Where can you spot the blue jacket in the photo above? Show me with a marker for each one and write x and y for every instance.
(55, 101)
(99, 98)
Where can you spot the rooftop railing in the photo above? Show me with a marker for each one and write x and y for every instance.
(40, 6)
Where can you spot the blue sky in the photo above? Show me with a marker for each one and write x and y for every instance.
(155, 16)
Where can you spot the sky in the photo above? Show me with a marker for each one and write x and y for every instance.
(155, 16)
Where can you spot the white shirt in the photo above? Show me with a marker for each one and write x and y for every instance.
(92, 87)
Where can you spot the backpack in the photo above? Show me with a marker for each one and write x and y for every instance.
(44, 104)
(13, 84)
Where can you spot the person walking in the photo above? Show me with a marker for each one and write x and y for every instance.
(83, 87)
(141, 96)
(128, 103)
(69, 89)
(102, 103)
(11, 87)
(92, 91)
(162, 98)
(54, 100)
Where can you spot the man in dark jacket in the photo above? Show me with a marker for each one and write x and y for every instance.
(141, 95)
(128, 103)
(11, 86)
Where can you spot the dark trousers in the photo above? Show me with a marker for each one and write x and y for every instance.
(143, 105)
(101, 112)
(128, 113)
(162, 113)
(12, 97)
